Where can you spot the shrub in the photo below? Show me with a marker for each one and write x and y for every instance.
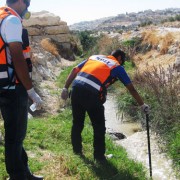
(146, 23)
(106, 44)
(150, 37)
(87, 40)
(177, 17)
(162, 87)
(76, 45)
(131, 46)
(167, 40)
(171, 19)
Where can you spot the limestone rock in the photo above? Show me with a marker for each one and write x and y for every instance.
(33, 31)
(43, 18)
(62, 29)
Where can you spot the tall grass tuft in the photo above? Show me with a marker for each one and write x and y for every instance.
(162, 87)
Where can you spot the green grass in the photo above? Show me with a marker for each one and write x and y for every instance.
(48, 145)
(65, 72)
(50, 153)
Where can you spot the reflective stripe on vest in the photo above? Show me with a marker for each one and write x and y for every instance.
(97, 70)
(26, 52)
(3, 75)
(88, 81)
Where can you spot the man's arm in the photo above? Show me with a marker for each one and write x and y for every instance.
(73, 74)
(71, 77)
(135, 94)
(22, 72)
(20, 64)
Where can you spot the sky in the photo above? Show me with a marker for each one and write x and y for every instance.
(74, 11)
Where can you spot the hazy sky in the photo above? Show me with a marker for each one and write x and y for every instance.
(73, 11)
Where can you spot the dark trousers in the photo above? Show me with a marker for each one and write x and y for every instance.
(14, 109)
(84, 101)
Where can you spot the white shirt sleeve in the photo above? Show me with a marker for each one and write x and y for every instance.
(11, 29)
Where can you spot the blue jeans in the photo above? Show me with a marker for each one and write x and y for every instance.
(85, 101)
(14, 109)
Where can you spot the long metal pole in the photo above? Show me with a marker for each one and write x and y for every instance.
(149, 147)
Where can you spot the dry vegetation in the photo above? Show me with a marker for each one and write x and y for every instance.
(163, 94)
(50, 47)
(160, 42)
(106, 44)
(150, 37)
(166, 41)
(154, 39)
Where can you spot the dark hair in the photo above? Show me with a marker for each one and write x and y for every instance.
(9, 2)
(118, 53)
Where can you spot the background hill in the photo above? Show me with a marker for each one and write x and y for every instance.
(128, 21)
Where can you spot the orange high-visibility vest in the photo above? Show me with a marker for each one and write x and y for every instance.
(95, 75)
(7, 79)
(97, 70)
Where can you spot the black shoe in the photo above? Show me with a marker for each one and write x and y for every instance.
(17, 177)
(34, 177)
(79, 154)
(101, 159)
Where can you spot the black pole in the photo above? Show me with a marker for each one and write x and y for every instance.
(149, 147)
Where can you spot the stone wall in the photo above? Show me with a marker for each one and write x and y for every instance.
(48, 58)
(47, 25)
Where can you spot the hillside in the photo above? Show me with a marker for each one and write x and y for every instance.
(127, 21)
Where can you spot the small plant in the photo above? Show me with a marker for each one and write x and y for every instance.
(171, 19)
(106, 44)
(177, 17)
(146, 23)
(131, 46)
(150, 37)
(167, 40)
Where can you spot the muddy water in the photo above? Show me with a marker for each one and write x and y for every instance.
(136, 144)
(113, 121)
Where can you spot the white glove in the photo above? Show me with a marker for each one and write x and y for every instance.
(145, 108)
(64, 94)
(35, 98)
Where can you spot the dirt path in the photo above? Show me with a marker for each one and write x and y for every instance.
(136, 144)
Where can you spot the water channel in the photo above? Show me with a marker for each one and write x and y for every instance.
(135, 144)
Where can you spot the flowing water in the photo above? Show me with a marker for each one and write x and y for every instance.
(136, 144)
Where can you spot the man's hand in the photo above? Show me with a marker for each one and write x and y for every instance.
(64, 94)
(145, 108)
(35, 98)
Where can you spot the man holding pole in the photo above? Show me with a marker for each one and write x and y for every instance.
(91, 79)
